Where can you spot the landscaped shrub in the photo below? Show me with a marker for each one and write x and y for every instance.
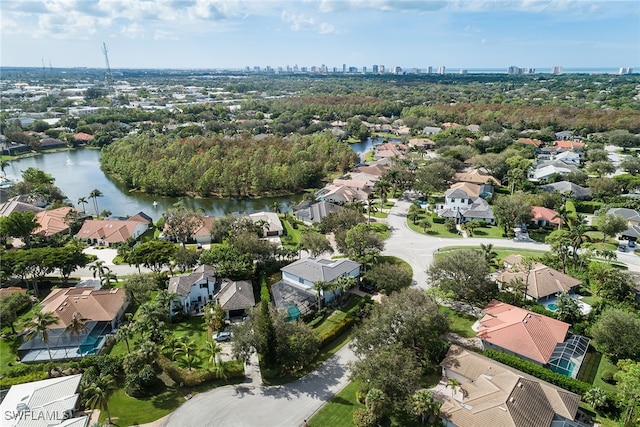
(438, 220)
(568, 383)
(339, 328)
(587, 207)
(196, 377)
(607, 377)
(32, 376)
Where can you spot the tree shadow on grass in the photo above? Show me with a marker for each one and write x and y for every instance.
(341, 401)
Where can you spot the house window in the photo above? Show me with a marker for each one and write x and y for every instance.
(204, 285)
(301, 280)
(453, 200)
(199, 298)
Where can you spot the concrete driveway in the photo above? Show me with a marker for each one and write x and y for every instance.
(248, 405)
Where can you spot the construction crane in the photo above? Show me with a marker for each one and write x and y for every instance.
(108, 77)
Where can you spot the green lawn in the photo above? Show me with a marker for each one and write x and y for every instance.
(460, 323)
(501, 251)
(395, 260)
(435, 229)
(382, 229)
(378, 214)
(339, 410)
(490, 232)
(127, 411)
(8, 353)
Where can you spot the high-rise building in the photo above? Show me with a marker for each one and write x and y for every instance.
(556, 69)
(344, 68)
(396, 70)
(374, 69)
(429, 70)
(364, 70)
(625, 70)
(381, 69)
(463, 71)
(353, 69)
(442, 69)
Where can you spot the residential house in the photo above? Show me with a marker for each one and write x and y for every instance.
(83, 138)
(421, 143)
(54, 221)
(45, 403)
(569, 157)
(533, 337)
(543, 217)
(546, 169)
(194, 289)
(390, 150)
(113, 231)
(272, 225)
(476, 176)
(100, 310)
(50, 143)
(343, 193)
(298, 278)
(16, 204)
(431, 130)
(462, 207)
(493, 394)
(474, 190)
(13, 148)
(203, 233)
(542, 281)
(376, 169)
(567, 135)
(529, 141)
(5, 292)
(313, 213)
(569, 145)
(633, 222)
(568, 188)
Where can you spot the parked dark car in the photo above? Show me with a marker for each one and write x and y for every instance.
(367, 287)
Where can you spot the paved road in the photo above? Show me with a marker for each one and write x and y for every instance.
(418, 249)
(246, 405)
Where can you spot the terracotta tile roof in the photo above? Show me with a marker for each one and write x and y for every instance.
(542, 281)
(549, 215)
(95, 305)
(471, 189)
(476, 176)
(520, 331)
(52, 221)
(111, 230)
(569, 144)
(529, 141)
(81, 136)
(497, 395)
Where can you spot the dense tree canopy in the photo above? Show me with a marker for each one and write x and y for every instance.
(241, 166)
(617, 334)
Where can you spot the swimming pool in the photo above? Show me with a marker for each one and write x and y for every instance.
(552, 307)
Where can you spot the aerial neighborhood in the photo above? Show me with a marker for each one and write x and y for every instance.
(394, 250)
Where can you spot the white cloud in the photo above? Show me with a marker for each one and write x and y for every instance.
(133, 31)
(164, 35)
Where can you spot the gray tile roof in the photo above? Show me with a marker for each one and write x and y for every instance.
(236, 295)
(628, 214)
(319, 269)
(568, 187)
(181, 284)
(317, 211)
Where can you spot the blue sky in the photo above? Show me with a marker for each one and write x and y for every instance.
(236, 33)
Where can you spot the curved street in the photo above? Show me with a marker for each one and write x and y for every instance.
(250, 404)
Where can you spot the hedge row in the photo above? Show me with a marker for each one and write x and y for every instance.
(197, 376)
(339, 328)
(568, 383)
(32, 376)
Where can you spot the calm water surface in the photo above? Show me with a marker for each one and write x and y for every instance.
(77, 173)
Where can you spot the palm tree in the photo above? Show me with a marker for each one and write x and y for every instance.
(320, 286)
(518, 285)
(77, 325)
(453, 384)
(94, 195)
(39, 326)
(98, 394)
(4, 164)
(489, 254)
(214, 350)
(83, 201)
(125, 332)
(188, 349)
(595, 397)
(275, 207)
(424, 405)
(424, 223)
(221, 369)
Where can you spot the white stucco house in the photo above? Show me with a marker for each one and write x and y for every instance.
(298, 278)
(194, 289)
(463, 207)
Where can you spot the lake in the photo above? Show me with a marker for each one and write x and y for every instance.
(77, 173)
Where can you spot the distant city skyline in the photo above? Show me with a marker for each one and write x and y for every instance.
(222, 34)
